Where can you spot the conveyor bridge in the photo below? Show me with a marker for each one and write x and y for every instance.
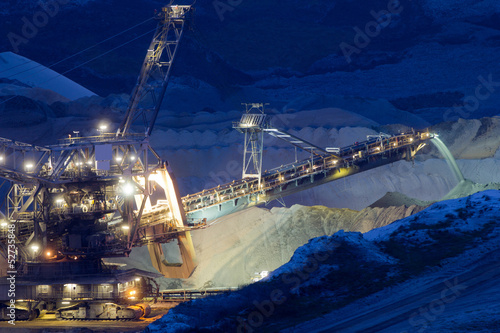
(276, 183)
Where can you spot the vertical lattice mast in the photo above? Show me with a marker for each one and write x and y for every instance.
(252, 124)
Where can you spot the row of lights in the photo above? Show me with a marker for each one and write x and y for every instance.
(119, 158)
(33, 247)
(89, 162)
(48, 253)
(101, 128)
(29, 165)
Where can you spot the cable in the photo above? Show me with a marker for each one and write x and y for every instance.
(86, 62)
(74, 55)
(105, 53)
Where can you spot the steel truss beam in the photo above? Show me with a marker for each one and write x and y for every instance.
(152, 82)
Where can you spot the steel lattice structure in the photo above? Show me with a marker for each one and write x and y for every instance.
(152, 82)
(91, 197)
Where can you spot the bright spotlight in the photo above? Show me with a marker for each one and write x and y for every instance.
(128, 189)
(28, 165)
(125, 227)
(3, 224)
(102, 128)
(34, 247)
(1, 158)
(48, 254)
(118, 158)
(132, 158)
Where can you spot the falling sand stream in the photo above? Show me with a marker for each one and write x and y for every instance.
(449, 158)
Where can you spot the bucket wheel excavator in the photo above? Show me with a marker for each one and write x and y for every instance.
(71, 204)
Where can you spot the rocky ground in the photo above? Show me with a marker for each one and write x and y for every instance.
(433, 271)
